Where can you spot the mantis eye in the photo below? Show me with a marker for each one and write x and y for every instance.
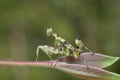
(77, 47)
(57, 35)
(49, 32)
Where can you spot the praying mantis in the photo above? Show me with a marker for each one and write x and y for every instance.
(61, 46)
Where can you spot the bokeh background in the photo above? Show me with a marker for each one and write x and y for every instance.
(23, 24)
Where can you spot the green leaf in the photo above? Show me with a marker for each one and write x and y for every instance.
(87, 72)
(98, 60)
(109, 61)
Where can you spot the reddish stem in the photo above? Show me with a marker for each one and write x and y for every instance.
(25, 63)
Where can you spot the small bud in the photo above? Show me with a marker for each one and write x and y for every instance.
(49, 32)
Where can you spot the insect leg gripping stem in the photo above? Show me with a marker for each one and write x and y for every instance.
(37, 53)
(48, 53)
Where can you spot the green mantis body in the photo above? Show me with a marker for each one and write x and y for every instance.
(61, 47)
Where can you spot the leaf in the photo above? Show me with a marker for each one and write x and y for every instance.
(86, 72)
(90, 59)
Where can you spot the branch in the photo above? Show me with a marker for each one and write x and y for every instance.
(49, 64)
(78, 70)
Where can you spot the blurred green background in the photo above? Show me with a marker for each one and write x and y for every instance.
(23, 24)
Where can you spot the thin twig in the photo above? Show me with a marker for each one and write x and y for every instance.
(25, 63)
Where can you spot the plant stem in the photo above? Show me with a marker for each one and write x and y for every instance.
(49, 64)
